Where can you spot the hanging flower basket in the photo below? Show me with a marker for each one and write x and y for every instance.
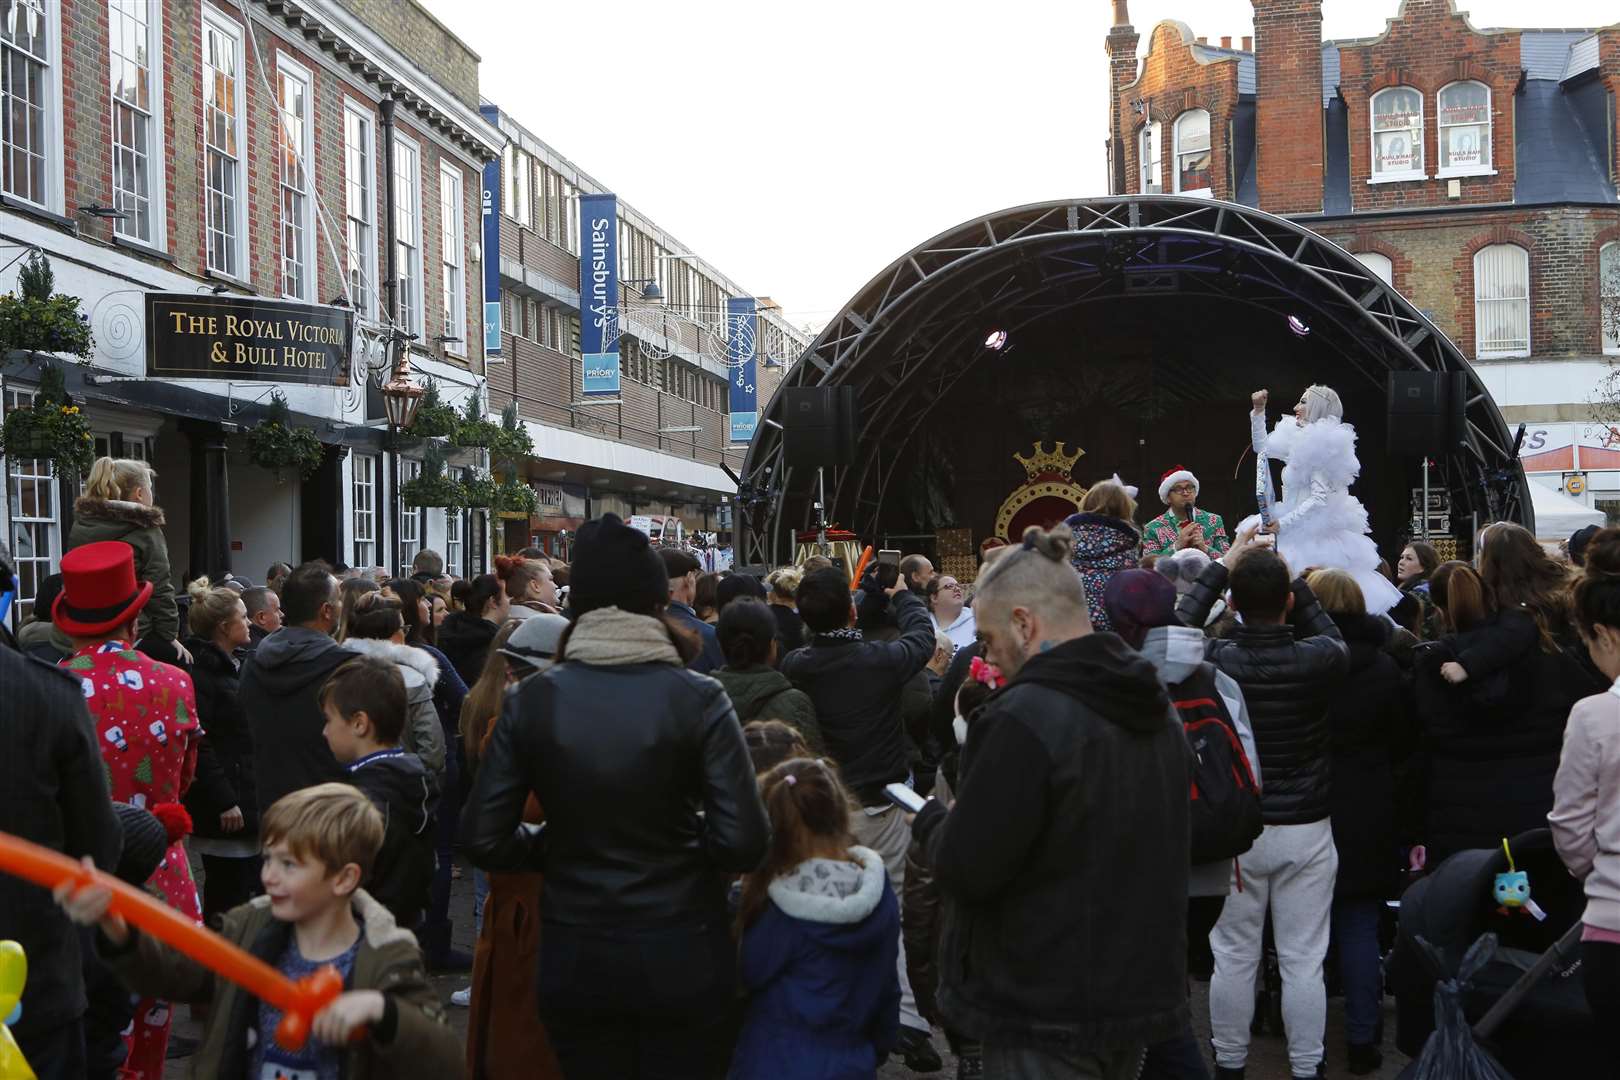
(51, 429)
(515, 498)
(41, 320)
(435, 419)
(432, 487)
(473, 430)
(513, 441)
(278, 445)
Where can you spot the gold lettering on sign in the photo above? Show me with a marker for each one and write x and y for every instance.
(194, 324)
(216, 353)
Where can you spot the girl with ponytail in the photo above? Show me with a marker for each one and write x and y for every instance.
(819, 927)
(1585, 817)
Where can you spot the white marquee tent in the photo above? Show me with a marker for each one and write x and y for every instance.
(1558, 516)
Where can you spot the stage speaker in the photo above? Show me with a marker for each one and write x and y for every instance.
(1427, 412)
(819, 425)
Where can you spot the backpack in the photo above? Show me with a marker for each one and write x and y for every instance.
(1225, 798)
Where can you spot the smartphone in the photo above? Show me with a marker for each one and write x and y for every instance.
(904, 797)
(890, 556)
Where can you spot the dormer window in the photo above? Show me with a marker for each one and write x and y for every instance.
(1193, 161)
(1465, 129)
(1397, 135)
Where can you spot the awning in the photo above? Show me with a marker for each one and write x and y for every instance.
(1558, 516)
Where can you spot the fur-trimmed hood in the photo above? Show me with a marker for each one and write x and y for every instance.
(417, 666)
(833, 892)
(120, 511)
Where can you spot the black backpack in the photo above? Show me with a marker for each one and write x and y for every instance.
(1225, 798)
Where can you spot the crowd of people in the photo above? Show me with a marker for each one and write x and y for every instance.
(791, 826)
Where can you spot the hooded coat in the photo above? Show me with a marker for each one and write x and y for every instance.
(1103, 546)
(763, 693)
(465, 640)
(1065, 858)
(424, 734)
(228, 742)
(141, 527)
(406, 794)
(819, 962)
(279, 688)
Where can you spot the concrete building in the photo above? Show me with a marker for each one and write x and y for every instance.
(1474, 170)
(241, 154)
(660, 447)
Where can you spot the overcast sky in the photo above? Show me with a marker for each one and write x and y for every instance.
(803, 145)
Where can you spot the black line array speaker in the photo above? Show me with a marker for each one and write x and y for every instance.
(1427, 412)
(818, 426)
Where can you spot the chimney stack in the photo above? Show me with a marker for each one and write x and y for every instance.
(1248, 43)
(1288, 105)
(1122, 14)
(1203, 41)
(1121, 48)
(1226, 41)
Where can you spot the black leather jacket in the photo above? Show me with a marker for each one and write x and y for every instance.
(1289, 676)
(650, 799)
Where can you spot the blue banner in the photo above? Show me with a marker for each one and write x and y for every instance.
(599, 292)
(742, 352)
(492, 246)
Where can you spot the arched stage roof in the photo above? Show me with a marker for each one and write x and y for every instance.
(1210, 284)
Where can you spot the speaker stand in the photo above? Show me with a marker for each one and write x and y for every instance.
(1425, 515)
(821, 513)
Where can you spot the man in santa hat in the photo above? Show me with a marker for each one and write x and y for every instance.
(1183, 525)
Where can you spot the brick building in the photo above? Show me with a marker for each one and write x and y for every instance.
(1474, 170)
(240, 151)
(659, 448)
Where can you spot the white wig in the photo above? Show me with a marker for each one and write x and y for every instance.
(1322, 402)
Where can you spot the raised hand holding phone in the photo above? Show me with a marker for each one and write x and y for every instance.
(905, 798)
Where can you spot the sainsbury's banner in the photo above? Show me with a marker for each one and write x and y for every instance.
(599, 292)
(742, 355)
(492, 246)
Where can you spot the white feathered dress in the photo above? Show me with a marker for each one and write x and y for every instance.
(1321, 523)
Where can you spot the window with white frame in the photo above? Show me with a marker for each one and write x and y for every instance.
(1501, 301)
(1378, 264)
(360, 208)
(136, 85)
(1464, 111)
(223, 140)
(452, 542)
(408, 232)
(1150, 147)
(515, 193)
(452, 258)
(365, 510)
(410, 517)
(297, 208)
(1193, 159)
(1609, 297)
(30, 98)
(1397, 134)
(36, 531)
(571, 218)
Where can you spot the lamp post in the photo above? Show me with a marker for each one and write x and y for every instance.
(400, 397)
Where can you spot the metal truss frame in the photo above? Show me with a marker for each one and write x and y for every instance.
(907, 338)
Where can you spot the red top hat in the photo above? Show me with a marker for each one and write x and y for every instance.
(99, 590)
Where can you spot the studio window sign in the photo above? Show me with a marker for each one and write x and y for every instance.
(245, 339)
(742, 354)
(599, 293)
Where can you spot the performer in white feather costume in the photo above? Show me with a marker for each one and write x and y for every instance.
(1318, 522)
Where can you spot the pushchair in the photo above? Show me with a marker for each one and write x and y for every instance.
(1549, 1033)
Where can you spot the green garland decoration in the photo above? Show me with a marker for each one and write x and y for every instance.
(277, 444)
(435, 418)
(432, 487)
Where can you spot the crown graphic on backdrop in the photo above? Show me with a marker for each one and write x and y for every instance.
(1049, 463)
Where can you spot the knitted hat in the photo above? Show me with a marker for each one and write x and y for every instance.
(615, 566)
(1137, 601)
(1170, 479)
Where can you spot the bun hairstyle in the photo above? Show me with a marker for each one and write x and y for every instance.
(211, 605)
(1597, 593)
(784, 583)
(1036, 574)
(809, 811)
(376, 617)
(517, 572)
(747, 631)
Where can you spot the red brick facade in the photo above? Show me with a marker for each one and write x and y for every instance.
(1173, 81)
(1288, 117)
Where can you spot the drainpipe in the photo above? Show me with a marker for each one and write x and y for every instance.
(385, 115)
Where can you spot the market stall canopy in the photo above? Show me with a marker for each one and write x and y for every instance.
(1558, 516)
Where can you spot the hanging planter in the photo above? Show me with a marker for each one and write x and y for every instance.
(51, 429)
(41, 320)
(514, 441)
(484, 492)
(473, 430)
(435, 418)
(276, 444)
(432, 487)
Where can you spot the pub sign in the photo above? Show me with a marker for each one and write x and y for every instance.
(247, 339)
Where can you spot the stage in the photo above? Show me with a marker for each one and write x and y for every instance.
(1134, 330)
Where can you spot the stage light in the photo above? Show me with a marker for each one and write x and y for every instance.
(996, 341)
(1297, 325)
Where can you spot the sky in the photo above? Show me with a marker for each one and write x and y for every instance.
(801, 146)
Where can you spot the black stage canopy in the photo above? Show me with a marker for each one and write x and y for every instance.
(1135, 329)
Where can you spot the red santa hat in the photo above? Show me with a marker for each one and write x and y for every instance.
(1170, 479)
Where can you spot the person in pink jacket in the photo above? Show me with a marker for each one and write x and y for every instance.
(1585, 817)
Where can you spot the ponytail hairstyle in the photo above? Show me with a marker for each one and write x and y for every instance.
(210, 606)
(375, 617)
(118, 478)
(485, 590)
(809, 811)
(747, 630)
(1597, 593)
(1462, 596)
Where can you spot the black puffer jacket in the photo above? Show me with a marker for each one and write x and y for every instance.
(650, 798)
(404, 791)
(465, 640)
(1366, 728)
(1076, 775)
(1289, 676)
(228, 741)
